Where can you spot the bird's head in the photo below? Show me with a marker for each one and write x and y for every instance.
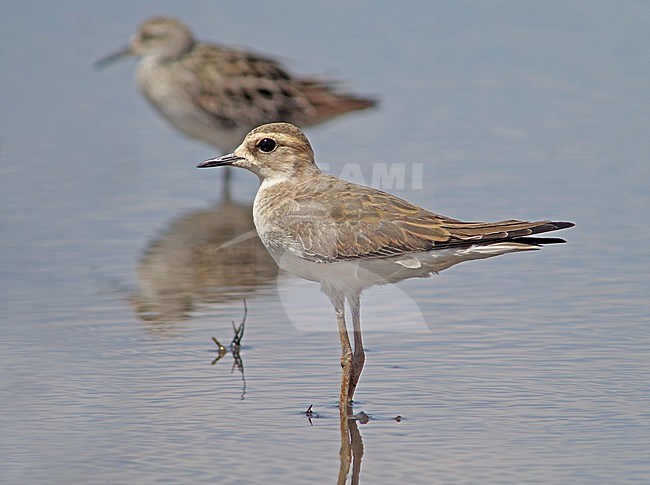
(274, 151)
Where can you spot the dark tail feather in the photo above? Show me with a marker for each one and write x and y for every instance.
(329, 102)
(538, 241)
(552, 226)
(547, 227)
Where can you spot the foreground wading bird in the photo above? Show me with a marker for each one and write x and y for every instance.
(349, 237)
(218, 94)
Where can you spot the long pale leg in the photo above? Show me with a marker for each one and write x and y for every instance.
(227, 177)
(346, 350)
(359, 356)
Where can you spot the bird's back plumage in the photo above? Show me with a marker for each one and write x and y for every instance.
(238, 87)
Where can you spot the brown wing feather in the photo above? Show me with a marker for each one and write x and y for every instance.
(229, 81)
(336, 220)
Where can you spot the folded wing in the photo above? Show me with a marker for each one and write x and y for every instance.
(338, 224)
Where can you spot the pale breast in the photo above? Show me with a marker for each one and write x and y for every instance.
(171, 90)
(270, 209)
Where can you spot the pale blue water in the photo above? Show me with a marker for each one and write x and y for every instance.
(523, 368)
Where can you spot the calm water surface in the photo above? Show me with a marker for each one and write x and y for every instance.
(525, 368)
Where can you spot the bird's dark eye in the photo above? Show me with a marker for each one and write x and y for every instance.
(267, 145)
(145, 36)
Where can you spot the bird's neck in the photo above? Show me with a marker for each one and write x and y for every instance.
(296, 175)
(171, 52)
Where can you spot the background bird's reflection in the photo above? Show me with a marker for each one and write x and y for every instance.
(206, 256)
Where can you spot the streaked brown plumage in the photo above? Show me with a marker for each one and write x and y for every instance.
(349, 237)
(217, 94)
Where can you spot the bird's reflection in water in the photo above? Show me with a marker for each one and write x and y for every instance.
(351, 451)
(206, 256)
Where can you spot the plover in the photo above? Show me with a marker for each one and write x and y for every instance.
(349, 237)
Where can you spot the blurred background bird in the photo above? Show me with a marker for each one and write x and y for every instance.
(217, 94)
